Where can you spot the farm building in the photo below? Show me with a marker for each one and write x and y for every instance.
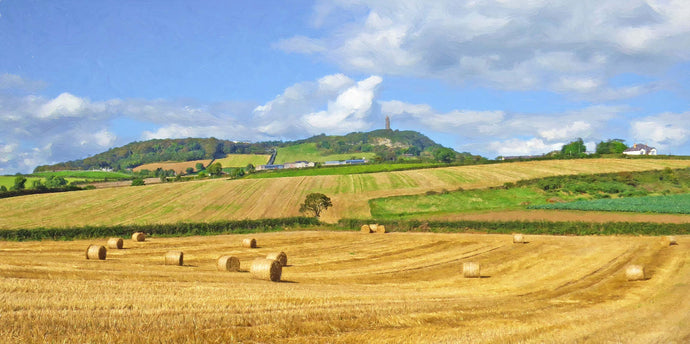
(298, 164)
(269, 167)
(640, 149)
(333, 163)
(356, 162)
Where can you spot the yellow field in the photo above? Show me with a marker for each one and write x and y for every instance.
(220, 199)
(231, 160)
(349, 288)
(179, 167)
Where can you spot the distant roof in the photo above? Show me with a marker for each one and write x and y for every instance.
(638, 147)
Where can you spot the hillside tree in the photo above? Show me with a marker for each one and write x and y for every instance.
(215, 169)
(315, 203)
(446, 155)
(574, 148)
(615, 146)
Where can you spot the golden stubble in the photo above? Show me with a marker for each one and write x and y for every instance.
(345, 287)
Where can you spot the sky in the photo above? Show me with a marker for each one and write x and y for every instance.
(494, 78)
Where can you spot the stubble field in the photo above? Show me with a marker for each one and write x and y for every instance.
(343, 287)
(220, 199)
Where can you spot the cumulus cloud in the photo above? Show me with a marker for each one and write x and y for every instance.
(667, 131)
(571, 47)
(335, 104)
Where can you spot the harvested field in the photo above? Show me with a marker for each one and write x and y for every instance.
(220, 199)
(178, 167)
(350, 288)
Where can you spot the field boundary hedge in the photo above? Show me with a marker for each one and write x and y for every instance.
(526, 227)
(172, 229)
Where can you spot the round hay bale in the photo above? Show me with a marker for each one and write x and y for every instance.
(380, 229)
(634, 272)
(373, 227)
(228, 263)
(249, 243)
(470, 270)
(366, 229)
(174, 258)
(266, 269)
(115, 243)
(139, 236)
(672, 241)
(95, 252)
(518, 238)
(281, 257)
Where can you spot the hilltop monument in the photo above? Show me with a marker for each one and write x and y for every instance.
(388, 123)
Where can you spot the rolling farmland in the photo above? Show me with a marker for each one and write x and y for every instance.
(349, 288)
(220, 199)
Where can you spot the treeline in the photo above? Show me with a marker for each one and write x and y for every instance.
(526, 227)
(138, 153)
(175, 229)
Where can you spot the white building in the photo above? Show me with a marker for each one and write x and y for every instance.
(640, 149)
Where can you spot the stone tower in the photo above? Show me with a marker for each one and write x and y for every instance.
(388, 123)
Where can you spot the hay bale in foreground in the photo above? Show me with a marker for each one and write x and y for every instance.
(95, 252)
(139, 236)
(266, 269)
(518, 238)
(228, 263)
(366, 229)
(380, 229)
(281, 257)
(373, 227)
(470, 270)
(115, 243)
(249, 243)
(174, 258)
(672, 240)
(634, 272)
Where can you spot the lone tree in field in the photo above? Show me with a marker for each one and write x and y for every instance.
(315, 203)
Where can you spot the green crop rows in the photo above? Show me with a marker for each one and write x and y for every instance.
(671, 204)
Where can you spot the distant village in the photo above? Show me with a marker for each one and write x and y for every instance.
(305, 164)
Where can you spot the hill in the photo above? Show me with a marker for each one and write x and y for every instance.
(385, 145)
(221, 199)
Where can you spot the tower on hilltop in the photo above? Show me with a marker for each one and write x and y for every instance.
(388, 123)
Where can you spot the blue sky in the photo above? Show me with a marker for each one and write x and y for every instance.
(491, 77)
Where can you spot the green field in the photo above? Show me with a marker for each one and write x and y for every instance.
(8, 181)
(671, 204)
(242, 160)
(454, 202)
(309, 152)
(343, 170)
(92, 175)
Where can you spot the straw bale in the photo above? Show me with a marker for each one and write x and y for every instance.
(672, 241)
(266, 269)
(174, 258)
(634, 272)
(470, 270)
(249, 243)
(373, 227)
(366, 229)
(228, 263)
(380, 229)
(518, 238)
(95, 252)
(115, 243)
(139, 236)
(281, 257)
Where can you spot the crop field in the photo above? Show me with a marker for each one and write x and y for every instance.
(89, 175)
(178, 167)
(671, 204)
(309, 152)
(342, 170)
(220, 199)
(8, 181)
(345, 287)
(242, 160)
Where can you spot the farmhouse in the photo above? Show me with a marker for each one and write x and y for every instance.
(298, 164)
(269, 167)
(640, 149)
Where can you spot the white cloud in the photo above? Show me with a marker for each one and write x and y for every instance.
(16, 82)
(571, 47)
(667, 131)
(335, 104)
(518, 147)
(65, 105)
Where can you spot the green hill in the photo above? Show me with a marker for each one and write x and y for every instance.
(381, 145)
